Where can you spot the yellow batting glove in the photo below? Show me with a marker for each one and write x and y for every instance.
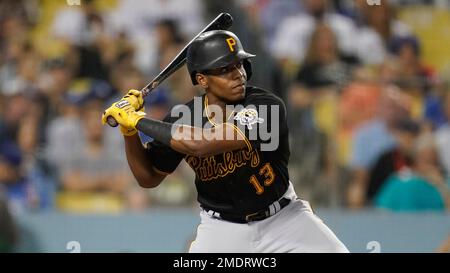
(130, 131)
(125, 115)
(135, 98)
(127, 132)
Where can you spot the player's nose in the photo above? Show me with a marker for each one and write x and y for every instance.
(238, 72)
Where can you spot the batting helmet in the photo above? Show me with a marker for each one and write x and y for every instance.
(215, 49)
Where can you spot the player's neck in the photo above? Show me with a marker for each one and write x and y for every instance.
(213, 100)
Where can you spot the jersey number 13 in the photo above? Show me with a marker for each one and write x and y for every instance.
(268, 175)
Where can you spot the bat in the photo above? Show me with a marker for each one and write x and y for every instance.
(222, 22)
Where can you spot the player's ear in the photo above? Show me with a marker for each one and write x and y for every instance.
(202, 80)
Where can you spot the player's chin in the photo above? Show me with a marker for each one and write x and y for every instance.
(237, 92)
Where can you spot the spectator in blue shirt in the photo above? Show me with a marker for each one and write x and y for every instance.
(420, 188)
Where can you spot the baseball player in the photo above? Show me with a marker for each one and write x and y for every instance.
(247, 202)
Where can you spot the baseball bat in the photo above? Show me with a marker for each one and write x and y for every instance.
(222, 21)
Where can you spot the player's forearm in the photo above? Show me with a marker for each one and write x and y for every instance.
(140, 163)
(193, 140)
(182, 141)
(206, 142)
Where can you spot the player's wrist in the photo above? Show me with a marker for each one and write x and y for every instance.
(128, 131)
(136, 117)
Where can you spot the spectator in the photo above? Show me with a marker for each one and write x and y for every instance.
(27, 10)
(358, 103)
(405, 133)
(267, 15)
(442, 136)
(376, 27)
(18, 190)
(408, 192)
(88, 38)
(435, 105)
(325, 65)
(8, 231)
(294, 33)
(55, 80)
(125, 77)
(413, 71)
(372, 139)
(20, 70)
(138, 19)
(63, 129)
(95, 167)
(421, 188)
(382, 19)
(170, 41)
(78, 25)
(15, 108)
(34, 166)
(325, 71)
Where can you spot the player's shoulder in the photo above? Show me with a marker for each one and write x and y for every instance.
(261, 96)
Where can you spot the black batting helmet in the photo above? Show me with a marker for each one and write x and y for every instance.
(215, 49)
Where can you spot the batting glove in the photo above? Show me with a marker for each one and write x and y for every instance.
(135, 98)
(125, 115)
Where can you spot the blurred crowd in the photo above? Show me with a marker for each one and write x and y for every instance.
(369, 118)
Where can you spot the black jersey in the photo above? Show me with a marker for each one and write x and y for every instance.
(240, 181)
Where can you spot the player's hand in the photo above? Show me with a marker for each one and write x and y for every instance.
(127, 131)
(135, 98)
(125, 115)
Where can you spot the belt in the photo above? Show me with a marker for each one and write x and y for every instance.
(257, 216)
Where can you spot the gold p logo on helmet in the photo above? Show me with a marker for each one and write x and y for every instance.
(231, 43)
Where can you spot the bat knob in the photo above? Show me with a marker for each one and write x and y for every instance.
(227, 20)
(111, 121)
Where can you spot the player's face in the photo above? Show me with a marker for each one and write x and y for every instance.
(227, 83)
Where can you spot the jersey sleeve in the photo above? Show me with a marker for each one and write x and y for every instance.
(165, 159)
(262, 120)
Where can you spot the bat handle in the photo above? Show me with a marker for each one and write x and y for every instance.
(111, 121)
(149, 88)
(145, 91)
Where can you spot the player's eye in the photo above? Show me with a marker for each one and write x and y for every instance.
(224, 70)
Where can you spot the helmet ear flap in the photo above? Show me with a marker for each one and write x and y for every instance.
(248, 68)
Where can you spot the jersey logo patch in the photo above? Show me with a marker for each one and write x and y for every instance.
(248, 117)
